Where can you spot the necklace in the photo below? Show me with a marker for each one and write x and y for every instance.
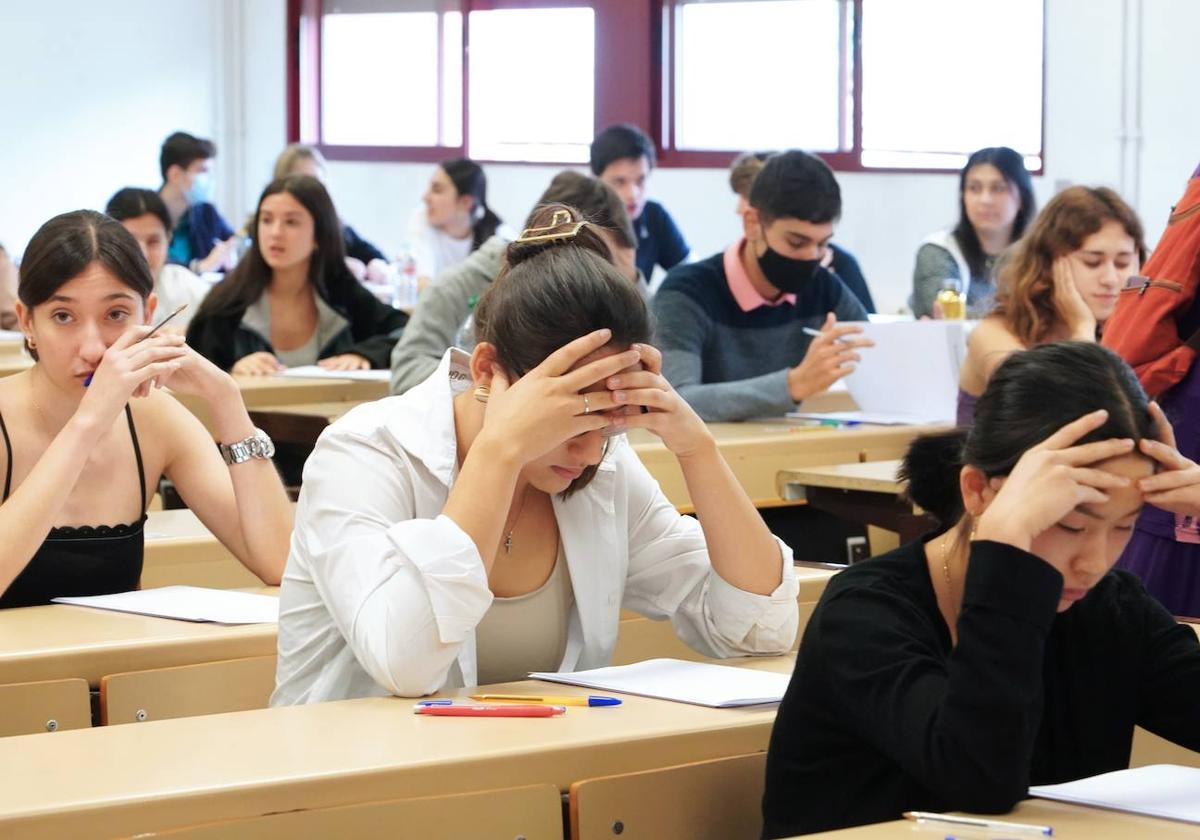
(946, 573)
(515, 519)
(41, 414)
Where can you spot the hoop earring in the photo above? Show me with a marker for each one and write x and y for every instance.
(482, 393)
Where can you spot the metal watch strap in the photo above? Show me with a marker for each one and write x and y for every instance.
(258, 445)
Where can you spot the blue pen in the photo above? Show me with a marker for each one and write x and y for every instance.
(435, 702)
(88, 381)
(590, 700)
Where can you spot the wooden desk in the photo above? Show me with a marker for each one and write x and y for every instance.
(867, 492)
(259, 391)
(59, 642)
(162, 774)
(10, 347)
(12, 363)
(1070, 822)
(180, 550)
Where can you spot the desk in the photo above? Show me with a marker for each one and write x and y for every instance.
(10, 347)
(60, 641)
(180, 550)
(11, 363)
(162, 774)
(259, 391)
(867, 492)
(1070, 822)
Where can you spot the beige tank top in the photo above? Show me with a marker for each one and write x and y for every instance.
(526, 632)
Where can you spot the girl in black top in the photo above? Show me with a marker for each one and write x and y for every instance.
(80, 457)
(1003, 652)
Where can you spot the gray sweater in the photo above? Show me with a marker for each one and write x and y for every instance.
(442, 308)
(733, 365)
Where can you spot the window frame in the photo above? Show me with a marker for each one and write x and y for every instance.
(633, 35)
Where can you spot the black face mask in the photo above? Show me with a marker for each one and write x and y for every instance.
(786, 274)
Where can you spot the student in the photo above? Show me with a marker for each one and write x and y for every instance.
(454, 221)
(444, 308)
(743, 171)
(364, 260)
(995, 203)
(1061, 283)
(201, 239)
(8, 291)
(143, 214)
(291, 301)
(482, 526)
(731, 327)
(622, 156)
(80, 460)
(953, 673)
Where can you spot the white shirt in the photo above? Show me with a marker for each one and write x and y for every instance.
(435, 250)
(382, 593)
(175, 286)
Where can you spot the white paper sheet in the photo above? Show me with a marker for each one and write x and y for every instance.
(876, 418)
(699, 683)
(11, 335)
(909, 376)
(317, 372)
(1158, 790)
(189, 603)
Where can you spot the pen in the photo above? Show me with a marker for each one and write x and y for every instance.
(922, 817)
(512, 710)
(590, 700)
(88, 381)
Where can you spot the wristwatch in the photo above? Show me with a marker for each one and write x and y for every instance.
(258, 445)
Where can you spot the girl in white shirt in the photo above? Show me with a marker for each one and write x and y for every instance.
(491, 521)
(453, 220)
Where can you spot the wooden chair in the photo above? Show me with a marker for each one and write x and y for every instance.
(519, 813)
(26, 708)
(208, 688)
(719, 799)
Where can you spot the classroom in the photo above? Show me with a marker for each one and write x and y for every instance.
(582, 419)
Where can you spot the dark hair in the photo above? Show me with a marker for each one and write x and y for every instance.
(327, 270)
(618, 142)
(67, 244)
(180, 149)
(1012, 166)
(1033, 394)
(594, 199)
(468, 179)
(745, 169)
(796, 185)
(132, 202)
(550, 293)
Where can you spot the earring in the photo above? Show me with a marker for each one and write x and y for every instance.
(32, 344)
(482, 392)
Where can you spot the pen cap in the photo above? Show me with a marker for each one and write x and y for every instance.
(597, 700)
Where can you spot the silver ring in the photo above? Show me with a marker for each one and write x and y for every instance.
(587, 409)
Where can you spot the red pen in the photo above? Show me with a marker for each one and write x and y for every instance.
(500, 710)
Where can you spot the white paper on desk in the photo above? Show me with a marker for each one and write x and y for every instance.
(318, 372)
(1158, 790)
(718, 686)
(875, 418)
(12, 335)
(189, 603)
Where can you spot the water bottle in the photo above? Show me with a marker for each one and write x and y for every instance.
(464, 339)
(952, 300)
(403, 276)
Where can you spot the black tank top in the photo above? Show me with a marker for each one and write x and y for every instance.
(84, 560)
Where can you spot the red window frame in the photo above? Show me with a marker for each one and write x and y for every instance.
(635, 49)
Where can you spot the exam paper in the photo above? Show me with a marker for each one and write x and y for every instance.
(318, 372)
(699, 683)
(1158, 790)
(189, 603)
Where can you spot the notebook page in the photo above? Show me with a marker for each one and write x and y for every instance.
(318, 372)
(699, 683)
(1157, 790)
(188, 603)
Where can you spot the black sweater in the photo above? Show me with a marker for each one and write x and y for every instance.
(883, 715)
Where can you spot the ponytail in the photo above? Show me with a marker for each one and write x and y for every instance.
(931, 468)
(485, 227)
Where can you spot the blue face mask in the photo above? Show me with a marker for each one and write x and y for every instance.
(200, 192)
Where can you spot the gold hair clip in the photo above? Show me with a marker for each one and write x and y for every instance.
(549, 233)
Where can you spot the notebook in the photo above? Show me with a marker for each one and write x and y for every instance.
(318, 372)
(188, 603)
(1157, 790)
(699, 683)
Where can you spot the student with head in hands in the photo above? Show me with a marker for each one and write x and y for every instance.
(743, 171)
(438, 322)
(87, 434)
(995, 205)
(623, 157)
(364, 260)
(454, 219)
(953, 673)
(732, 328)
(291, 301)
(488, 522)
(200, 238)
(142, 213)
(1060, 283)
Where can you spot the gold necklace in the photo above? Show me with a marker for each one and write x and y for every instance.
(516, 518)
(41, 414)
(946, 573)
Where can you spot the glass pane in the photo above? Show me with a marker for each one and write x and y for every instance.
(942, 78)
(527, 103)
(379, 79)
(452, 79)
(762, 74)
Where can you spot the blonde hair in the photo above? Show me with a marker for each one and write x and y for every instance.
(744, 170)
(294, 153)
(1025, 284)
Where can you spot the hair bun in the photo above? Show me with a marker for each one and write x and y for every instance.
(551, 226)
(931, 467)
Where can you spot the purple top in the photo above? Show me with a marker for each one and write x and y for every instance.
(966, 408)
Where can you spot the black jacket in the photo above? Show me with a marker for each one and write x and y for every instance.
(371, 330)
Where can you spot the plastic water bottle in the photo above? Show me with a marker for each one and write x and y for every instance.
(464, 339)
(952, 300)
(403, 276)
